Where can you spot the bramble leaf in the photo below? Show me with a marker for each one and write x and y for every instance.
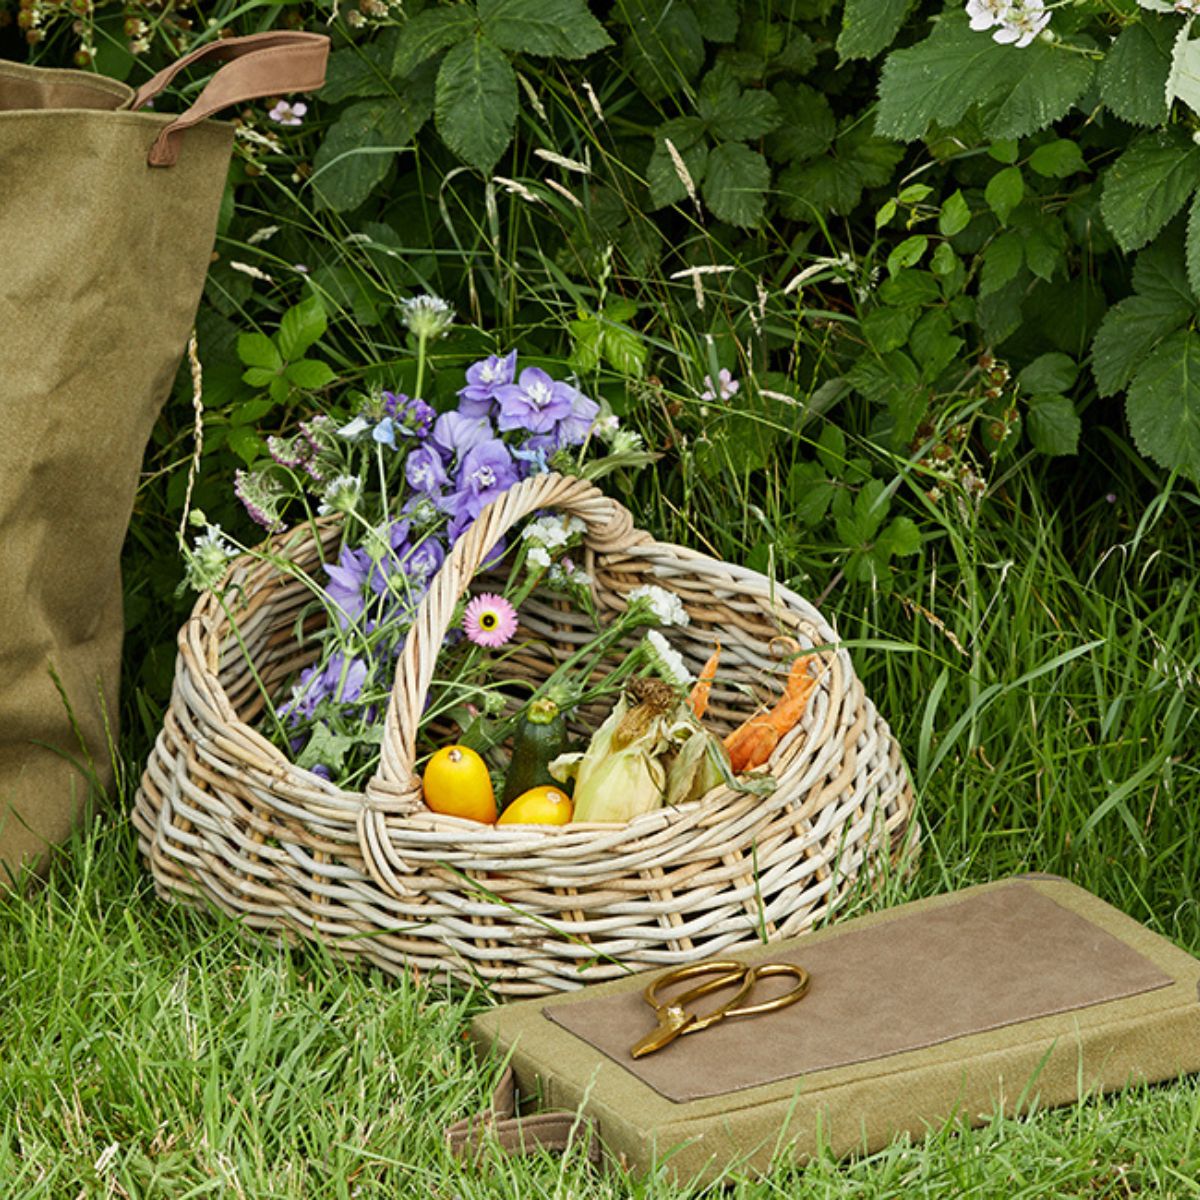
(735, 184)
(939, 79)
(664, 47)
(257, 350)
(1148, 185)
(558, 28)
(1133, 76)
(1053, 425)
(1163, 404)
(430, 32)
(807, 125)
(870, 26)
(360, 71)
(733, 114)
(476, 102)
(1057, 159)
(301, 326)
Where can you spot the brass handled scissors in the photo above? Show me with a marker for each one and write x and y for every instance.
(674, 1017)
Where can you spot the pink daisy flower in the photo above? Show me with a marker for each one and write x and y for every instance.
(490, 620)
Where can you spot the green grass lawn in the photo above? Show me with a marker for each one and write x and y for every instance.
(1041, 673)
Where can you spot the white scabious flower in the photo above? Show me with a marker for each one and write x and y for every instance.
(208, 559)
(341, 495)
(666, 660)
(666, 606)
(427, 316)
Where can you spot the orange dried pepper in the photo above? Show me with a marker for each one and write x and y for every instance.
(698, 697)
(752, 743)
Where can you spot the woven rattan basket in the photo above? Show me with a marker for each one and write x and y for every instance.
(224, 817)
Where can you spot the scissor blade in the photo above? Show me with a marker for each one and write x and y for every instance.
(672, 1022)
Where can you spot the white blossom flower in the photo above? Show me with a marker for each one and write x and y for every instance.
(1023, 23)
(341, 495)
(208, 559)
(666, 606)
(550, 532)
(666, 660)
(427, 316)
(725, 387)
(986, 13)
(288, 114)
(539, 556)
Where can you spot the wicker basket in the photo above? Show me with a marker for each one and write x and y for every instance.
(225, 817)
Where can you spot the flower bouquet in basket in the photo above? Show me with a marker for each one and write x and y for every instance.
(459, 711)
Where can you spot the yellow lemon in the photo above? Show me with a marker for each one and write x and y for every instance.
(539, 806)
(456, 782)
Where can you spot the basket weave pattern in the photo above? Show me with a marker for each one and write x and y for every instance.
(224, 817)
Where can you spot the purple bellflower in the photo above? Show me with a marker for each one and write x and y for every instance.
(483, 379)
(535, 402)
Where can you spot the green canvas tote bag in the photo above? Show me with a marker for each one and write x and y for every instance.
(107, 221)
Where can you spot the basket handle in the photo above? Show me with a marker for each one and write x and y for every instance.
(396, 789)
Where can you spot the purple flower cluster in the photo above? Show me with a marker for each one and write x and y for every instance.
(369, 590)
(339, 679)
(468, 462)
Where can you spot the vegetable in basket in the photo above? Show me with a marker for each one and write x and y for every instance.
(752, 743)
(540, 737)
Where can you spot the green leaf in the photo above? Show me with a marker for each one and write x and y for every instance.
(908, 253)
(476, 102)
(558, 28)
(245, 443)
(933, 344)
(1163, 404)
(1183, 82)
(257, 350)
(301, 326)
(887, 328)
(955, 215)
(955, 68)
(1001, 262)
(359, 71)
(1057, 159)
(807, 124)
(664, 48)
(870, 26)
(735, 184)
(260, 377)
(361, 146)
(1004, 191)
(310, 374)
(1045, 245)
(1129, 331)
(811, 491)
(998, 312)
(1193, 245)
(325, 748)
(831, 450)
(1005, 150)
(900, 539)
(944, 261)
(430, 32)
(1053, 425)
(871, 158)
(1148, 185)
(686, 134)
(910, 289)
(1049, 373)
(718, 19)
(1133, 75)
(733, 114)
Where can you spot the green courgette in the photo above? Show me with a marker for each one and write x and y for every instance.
(540, 737)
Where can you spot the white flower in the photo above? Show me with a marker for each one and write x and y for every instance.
(626, 441)
(667, 661)
(288, 114)
(550, 532)
(208, 559)
(539, 556)
(1022, 23)
(725, 387)
(986, 13)
(355, 429)
(427, 316)
(666, 606)
(608, 427)
(341, 495)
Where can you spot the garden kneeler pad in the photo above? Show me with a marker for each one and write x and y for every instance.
(995, 998)
(107, 221)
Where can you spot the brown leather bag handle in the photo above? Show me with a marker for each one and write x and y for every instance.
(261, 64)
(521, 1136)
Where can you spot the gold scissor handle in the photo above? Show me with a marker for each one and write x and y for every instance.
(674, 1019)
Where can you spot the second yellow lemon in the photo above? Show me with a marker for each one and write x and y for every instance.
(541, 805)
